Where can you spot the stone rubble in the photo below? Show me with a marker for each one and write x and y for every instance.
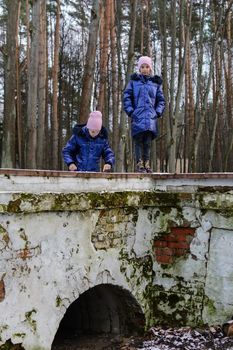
(186, 338)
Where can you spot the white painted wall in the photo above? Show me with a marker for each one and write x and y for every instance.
(49, 258)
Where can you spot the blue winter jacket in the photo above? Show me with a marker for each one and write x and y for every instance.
(144, 102)
(86, 151)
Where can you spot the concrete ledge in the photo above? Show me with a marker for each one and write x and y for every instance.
(58, 173)
(41, 181)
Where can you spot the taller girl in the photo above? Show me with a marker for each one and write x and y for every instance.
(144, 103)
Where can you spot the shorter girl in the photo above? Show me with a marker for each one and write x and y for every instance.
(144, 103)
(87, 145)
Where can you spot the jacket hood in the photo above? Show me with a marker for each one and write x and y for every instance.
(79, 130)
(155, 79)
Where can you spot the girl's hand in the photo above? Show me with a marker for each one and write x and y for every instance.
(72, 167)
(107, 168)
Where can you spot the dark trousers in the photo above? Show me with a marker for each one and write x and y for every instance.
(142, 146)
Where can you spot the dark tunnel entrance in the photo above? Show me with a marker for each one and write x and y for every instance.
(105, 310)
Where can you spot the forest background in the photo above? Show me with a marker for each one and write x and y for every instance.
(60, 59)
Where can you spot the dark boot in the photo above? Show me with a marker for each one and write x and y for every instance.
(147, 166)
(140, 167)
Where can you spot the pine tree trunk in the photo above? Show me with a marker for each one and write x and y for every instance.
(202, 115)
(217, 104)
(189, 106)
(55, 123)
(229, 90)
(114, 81)
(9, 123)
(146, 42)
(126, 161)
(33, 89)
(104, 35)
(165, 127)
(172, 141)
(173, 150)
(89, 69)
(19, 126)
(197, 109)
(42, 87)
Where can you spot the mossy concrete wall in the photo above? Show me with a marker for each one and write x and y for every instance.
(165, 239)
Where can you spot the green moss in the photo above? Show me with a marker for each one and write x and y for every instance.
(62, 201)
(3, 208)
(214, 189)
(19, 335)
(218, 201)
(29, 202)
(136, 271)
(107, 200)
(58, 301)
(178, 306)
(133, 212)
(28, 316)
(140, 267)
(170, 309)
(10, 346)
(209, 305)
(4, 327)
(159, 198)
(4, 235)
(14, 206)
(2, 230)
(6, 346)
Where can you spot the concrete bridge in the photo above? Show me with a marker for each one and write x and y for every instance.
(112, 253)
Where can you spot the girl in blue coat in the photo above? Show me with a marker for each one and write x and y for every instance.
(87, 145)
(144, 103)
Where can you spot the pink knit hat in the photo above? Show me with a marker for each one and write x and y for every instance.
(144, 60)
(94, 121)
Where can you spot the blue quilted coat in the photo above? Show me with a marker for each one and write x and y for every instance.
(86, 151)
(144, 102)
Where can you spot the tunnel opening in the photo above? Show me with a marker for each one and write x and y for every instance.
(103, 311)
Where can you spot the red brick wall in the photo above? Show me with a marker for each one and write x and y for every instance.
(173, 245)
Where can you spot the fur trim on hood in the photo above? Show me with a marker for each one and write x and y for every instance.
(155, 79)
(78, 131)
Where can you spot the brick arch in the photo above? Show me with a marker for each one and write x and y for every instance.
(103, 309)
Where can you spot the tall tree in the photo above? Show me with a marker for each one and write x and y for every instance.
(104, 45)
(165, 122)
(89, 68)
(9, 127)
(217, 101)
(125, 143)
(145, 28)
(19, 128)
(189, 121)
(197, 109)
(42, 88)
(175, 112)
(55, 120)
(114, 80)
(173, 121)
(32, 102)
(229, 87)
(202, 116)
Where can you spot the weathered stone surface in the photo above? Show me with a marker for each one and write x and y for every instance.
(171, 250)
